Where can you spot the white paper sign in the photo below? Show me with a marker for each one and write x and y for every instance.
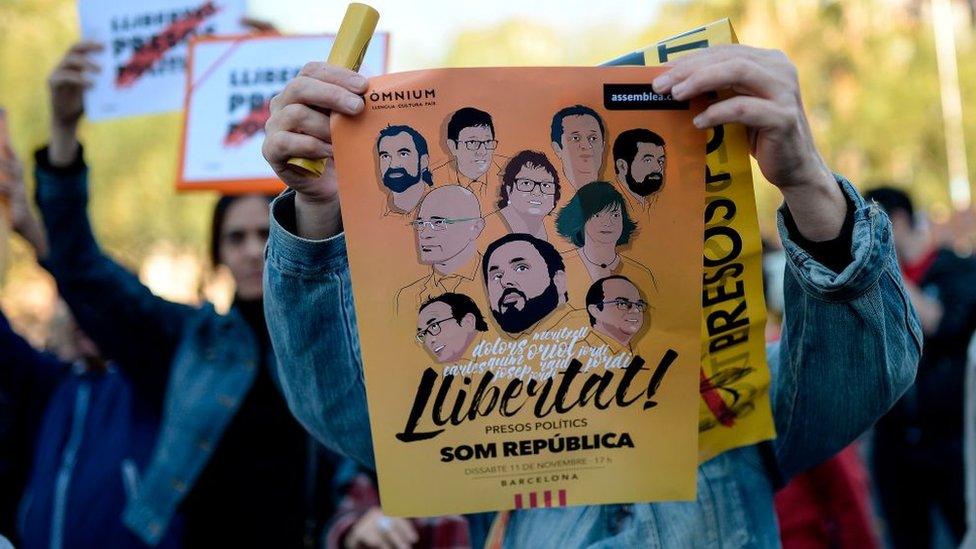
(232, 83)
(144, 60)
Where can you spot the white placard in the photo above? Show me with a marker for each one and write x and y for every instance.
(232, 83)
(144, 60)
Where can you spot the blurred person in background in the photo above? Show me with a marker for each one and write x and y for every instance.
(917, 454)
(230, 458)
(76, 431)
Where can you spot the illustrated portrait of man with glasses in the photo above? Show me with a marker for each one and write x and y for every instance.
(528, 193)
(447, 228)
(472, 144)
(639, 161)
(616, 310)
(525, 280)
(578, 139)
(404, 166)
(447, 324)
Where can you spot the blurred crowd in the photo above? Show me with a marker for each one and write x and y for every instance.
(144, 422)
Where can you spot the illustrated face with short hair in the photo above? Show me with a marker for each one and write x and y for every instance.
(473, 150)
(520, 290)
(645, 173)
(400, 165)
(443, 336)
(540, 200)
(621, 315)
(605, 227)
(581, 148)
(453, 224)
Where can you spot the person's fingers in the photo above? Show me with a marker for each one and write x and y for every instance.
(79, 62)
(392, 534)
(682, 67)
(751, 111)
(281, 145)
(87, 46)
(741, 75)
(340, 76)
(316, 93)
(70, 78)
(259, 25)
(404, 529)
(299, 118)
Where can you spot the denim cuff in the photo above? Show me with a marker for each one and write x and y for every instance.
(871, 250)
(64, 183)
(292, 254)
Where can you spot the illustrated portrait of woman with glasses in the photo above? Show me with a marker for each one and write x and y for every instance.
(447, 324)
(596, 220)
(528, 193)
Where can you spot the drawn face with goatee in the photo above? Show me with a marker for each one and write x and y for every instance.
(525, 279)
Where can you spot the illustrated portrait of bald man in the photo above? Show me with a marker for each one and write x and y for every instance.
(525, 280)
(579, 140)
(472, 143)
(447, 325)
(616, 310)
(446, 228)
(639, 162)
(404, 166)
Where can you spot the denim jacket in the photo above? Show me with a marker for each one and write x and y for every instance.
(205, 361)
(849, 348)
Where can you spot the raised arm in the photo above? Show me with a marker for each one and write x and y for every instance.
(125, 319)
(851, 339)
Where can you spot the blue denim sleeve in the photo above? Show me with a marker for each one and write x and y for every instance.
(309, 308)
(129, 323)
(850, 342)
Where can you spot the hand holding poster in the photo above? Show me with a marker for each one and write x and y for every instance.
(144, 59)
(232, 81)
(524, 246)
(735, 407)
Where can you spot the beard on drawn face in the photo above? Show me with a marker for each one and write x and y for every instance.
(514, 318)
(399, 180)
(649, 185)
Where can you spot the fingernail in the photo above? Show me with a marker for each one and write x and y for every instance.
(661, 82)
(353, 104)
(699, 122)
(678, 89)
(357, 81)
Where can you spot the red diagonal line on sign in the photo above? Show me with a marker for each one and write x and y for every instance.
(249, 126)
(714, 401)
(562, 498)
(156, 47)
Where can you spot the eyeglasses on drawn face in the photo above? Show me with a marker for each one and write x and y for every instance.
(433, 329)
(474, 144)
(529, 185)
(626, 304)
(438, 223)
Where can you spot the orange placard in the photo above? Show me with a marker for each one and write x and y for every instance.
(525, 248)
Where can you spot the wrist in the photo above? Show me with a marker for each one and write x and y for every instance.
(317, 218)
(64, 145)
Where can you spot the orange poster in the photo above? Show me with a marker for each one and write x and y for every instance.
(525, 248)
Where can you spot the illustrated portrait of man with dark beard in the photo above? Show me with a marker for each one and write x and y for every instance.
(404, 166)
(525, 280)
(639, 161)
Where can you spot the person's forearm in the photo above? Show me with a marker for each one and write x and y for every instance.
(317, 220)
(64, 145)
(818, 207)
